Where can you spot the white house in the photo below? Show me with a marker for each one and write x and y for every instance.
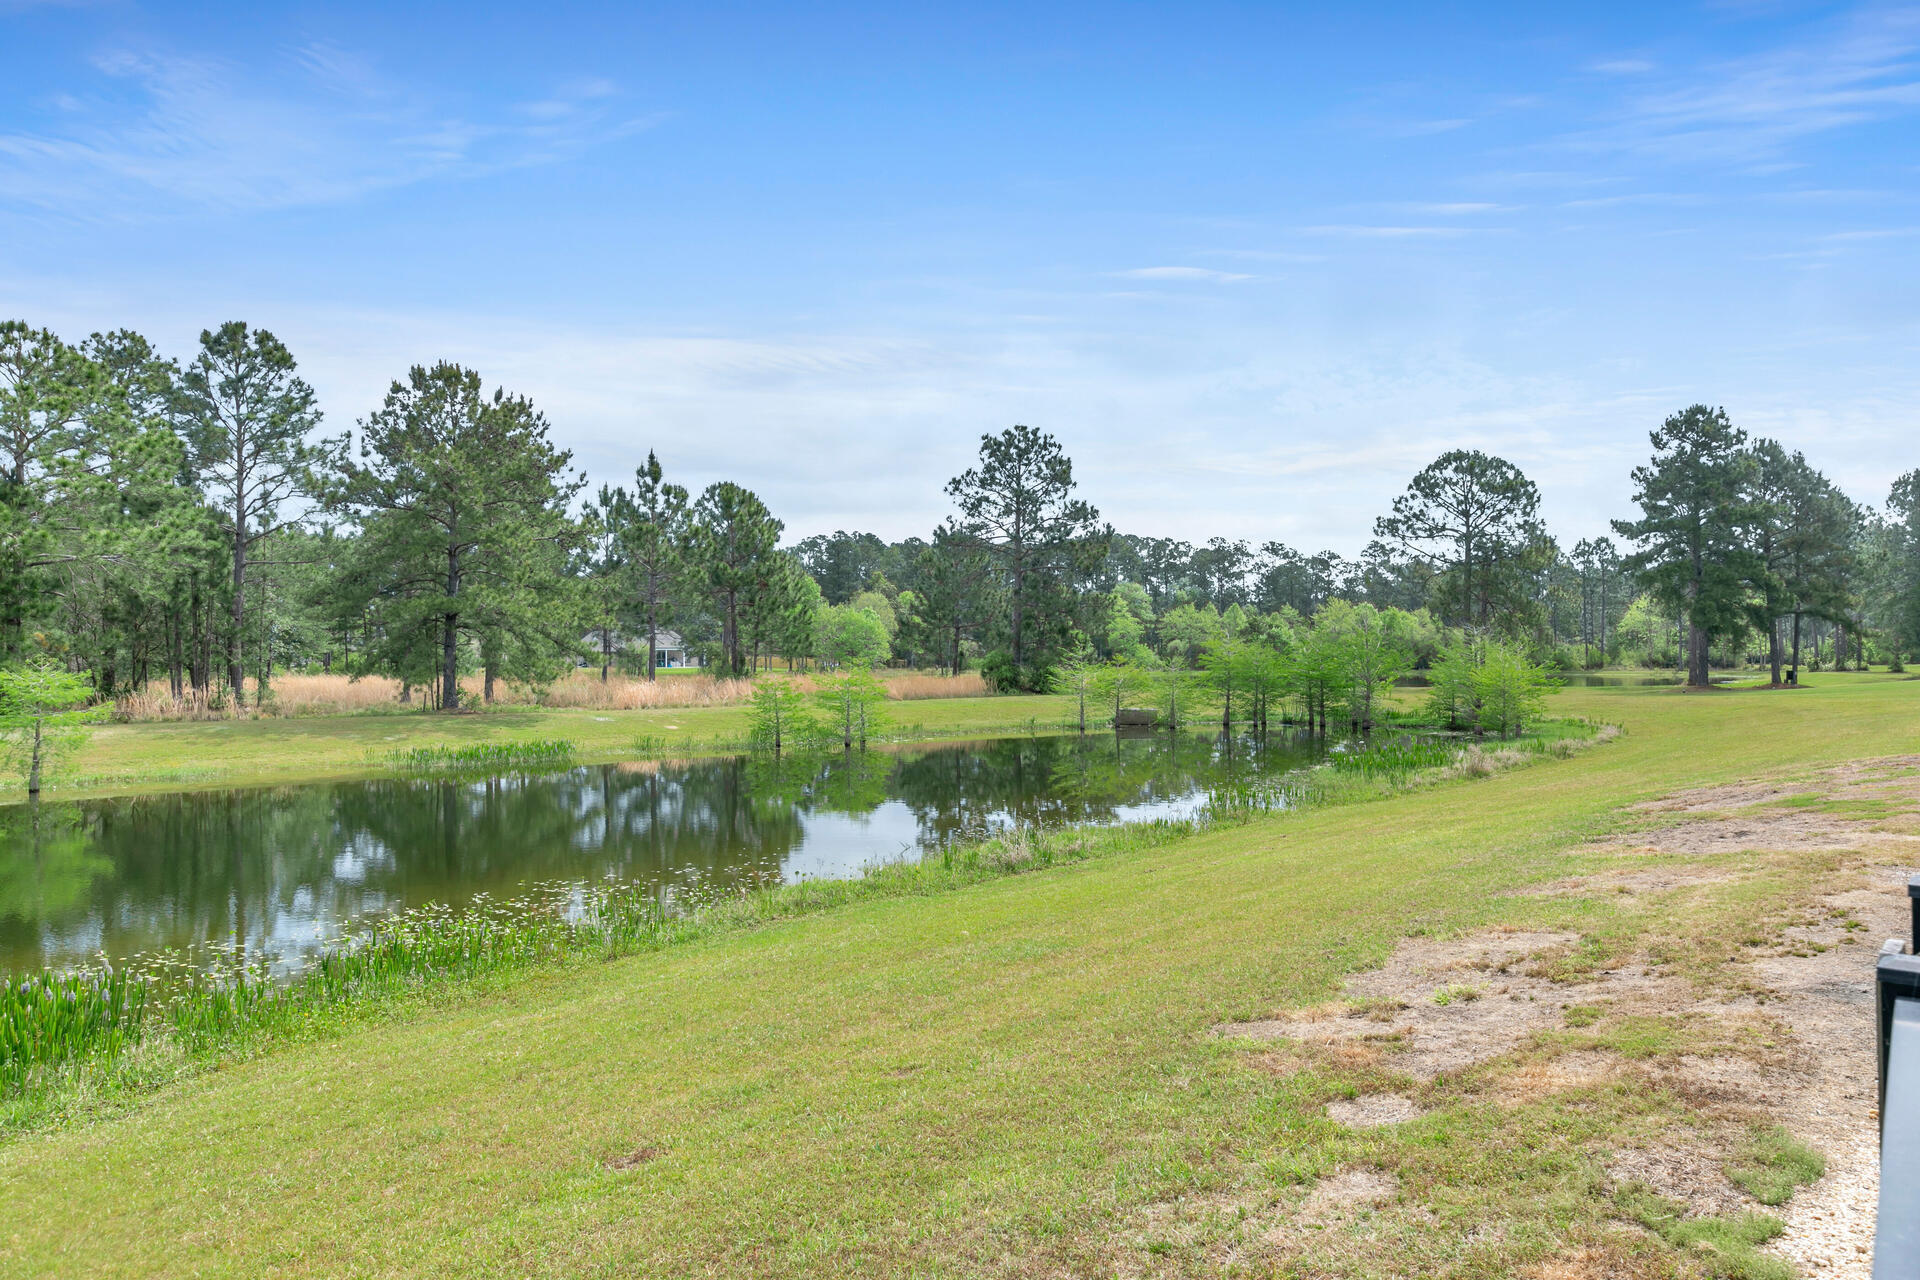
(669, 649)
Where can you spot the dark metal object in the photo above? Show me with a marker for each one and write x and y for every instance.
(1896, 1233)
(1897, 977)
(1913, 898)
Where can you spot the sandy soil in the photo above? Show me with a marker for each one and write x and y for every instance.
(1438, 1006)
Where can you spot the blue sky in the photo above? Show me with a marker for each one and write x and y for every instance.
(1254, 265)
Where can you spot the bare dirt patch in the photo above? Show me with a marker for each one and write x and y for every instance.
(1574, 1069)
(1735, 795)
(1594, 1264)
(635, 1158)
(1333, 1201)
(1680, 1169)
(1766, 831)
(1632, 881)
(1791, 1016)
(1372, 1110)
(1826, 997)
(1440, 1005)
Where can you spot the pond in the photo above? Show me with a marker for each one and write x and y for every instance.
(1585, 680)
(279, 871)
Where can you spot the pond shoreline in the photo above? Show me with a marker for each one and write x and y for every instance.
(434, 955)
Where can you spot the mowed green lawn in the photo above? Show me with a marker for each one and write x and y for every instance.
(987, 1082)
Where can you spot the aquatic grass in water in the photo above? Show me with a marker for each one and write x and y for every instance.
(538, 753)
(1383, 768)
(56, 1018)
(49, 1021)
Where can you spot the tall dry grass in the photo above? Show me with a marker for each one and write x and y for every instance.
(327, 695)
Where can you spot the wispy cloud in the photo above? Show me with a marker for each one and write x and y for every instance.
(1746, 112)
(162, 133)
(1623, 67)
(1184, 273)
(1369, 231)
(1459, 208)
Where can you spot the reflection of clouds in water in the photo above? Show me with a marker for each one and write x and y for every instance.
(840, 846)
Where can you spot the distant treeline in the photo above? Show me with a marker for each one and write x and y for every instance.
(193, 522)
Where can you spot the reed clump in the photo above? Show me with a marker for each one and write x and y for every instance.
(496, 757)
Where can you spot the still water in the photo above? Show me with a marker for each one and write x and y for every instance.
(278, 871)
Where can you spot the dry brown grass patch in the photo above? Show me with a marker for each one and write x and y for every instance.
(299, 695)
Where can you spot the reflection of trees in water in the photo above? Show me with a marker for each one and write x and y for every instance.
(47, 870)
(960, 793)
(278, 868)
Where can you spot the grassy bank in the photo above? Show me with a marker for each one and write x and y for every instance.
(73, 1043)
(126, 759)
(1013, 1078)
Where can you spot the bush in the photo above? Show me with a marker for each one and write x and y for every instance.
(1000, 671)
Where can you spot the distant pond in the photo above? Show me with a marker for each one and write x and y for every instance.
(278, 871)
(1586, 680)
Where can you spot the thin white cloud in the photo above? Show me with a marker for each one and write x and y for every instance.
(1207, 274)
(1679, 198)
(206, 134)
(1369, 231)
(1857, 71)
(1623, 67)
(1459, 208)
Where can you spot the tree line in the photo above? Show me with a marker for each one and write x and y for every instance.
(192, 522)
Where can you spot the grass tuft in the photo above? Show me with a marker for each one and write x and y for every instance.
(537, 753)
(1727, 1248)
(1772, 1164)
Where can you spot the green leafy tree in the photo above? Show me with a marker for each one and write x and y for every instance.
(1186, 630)
(1317, 672)
(1895, 555)
(880, 607)
(1077, 675)
(1129, 612)
(1122, 681)
(958, 592)
(1817, 557)
(1453, 697)
(249, 415)
(43, 714)
(778, 715)
(1802, 534)
(602, 568)
(1224, 665)
(1510, 688)
(850, 637)
(855, 703)
(733, 551)
(1597, 561)
(45, 388)
(777, 609)
(1017, 506)
(1692, 550)
(1474, 517)
(1367, 651)
(461, 500)
(654, 545)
